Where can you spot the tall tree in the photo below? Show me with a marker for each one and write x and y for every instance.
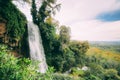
(64, 35)
(34, 12)
(47, 8)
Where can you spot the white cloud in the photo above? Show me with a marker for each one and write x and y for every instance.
(72, 10)
(80, 16)
(95, 30)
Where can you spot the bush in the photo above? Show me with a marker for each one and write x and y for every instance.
(111, 74)
(12, 68)
(78, 73)
(61, 77)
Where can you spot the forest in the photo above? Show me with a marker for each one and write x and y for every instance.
(66, 59)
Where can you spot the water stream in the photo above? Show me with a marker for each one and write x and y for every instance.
(36, 47)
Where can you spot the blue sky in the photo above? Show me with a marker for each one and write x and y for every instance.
(109, 16)
(93, 20)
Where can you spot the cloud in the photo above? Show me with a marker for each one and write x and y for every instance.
(80, 15)
(72, 10)
(95, 30)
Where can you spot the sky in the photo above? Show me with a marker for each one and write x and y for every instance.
(92, 20)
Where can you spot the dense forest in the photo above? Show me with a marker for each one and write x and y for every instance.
(67, 59)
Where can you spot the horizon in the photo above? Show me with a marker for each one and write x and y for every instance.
(97, 40)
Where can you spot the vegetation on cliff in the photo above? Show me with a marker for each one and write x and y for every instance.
(12, 68)
(15, 21)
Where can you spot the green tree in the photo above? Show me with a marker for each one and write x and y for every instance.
(47, 9)
(34, 12)
(64, 35)
(47, 29)
(111, 74)
(69, 59)
(79, 49)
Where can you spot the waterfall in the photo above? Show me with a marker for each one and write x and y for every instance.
(36, 47)
(34, 37)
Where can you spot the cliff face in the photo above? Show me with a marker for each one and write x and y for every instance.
(13, 25)
(4, 38)
(2, 29)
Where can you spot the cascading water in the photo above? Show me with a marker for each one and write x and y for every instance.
(36, 48)
(34, 37)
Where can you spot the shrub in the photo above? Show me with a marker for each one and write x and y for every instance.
(61, 77)
(12, 68)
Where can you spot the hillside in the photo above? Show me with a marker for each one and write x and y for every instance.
(107, 54)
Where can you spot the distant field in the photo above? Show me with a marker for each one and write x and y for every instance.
(103, 53)
(113, 46)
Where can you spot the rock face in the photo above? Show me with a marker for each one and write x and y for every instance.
(2, 31)
(4, 38)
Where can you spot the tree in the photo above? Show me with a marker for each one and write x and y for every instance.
(79, 49)
(34, 12)
(43, 18)
(69, 59)
(111, 74)
(64, 35)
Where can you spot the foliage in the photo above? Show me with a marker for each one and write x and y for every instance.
(61, 53)
(69, 59)
(12, 68)
(79, 49)
(103, 64)
(34, 11)
(64, 54)
(112, 46)
(103, 53)
(47, 29)
(16, 21)
(76, 72)
(64, 35)
(61, 77)
(111, 74)
(25, 44)
(58, 52)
